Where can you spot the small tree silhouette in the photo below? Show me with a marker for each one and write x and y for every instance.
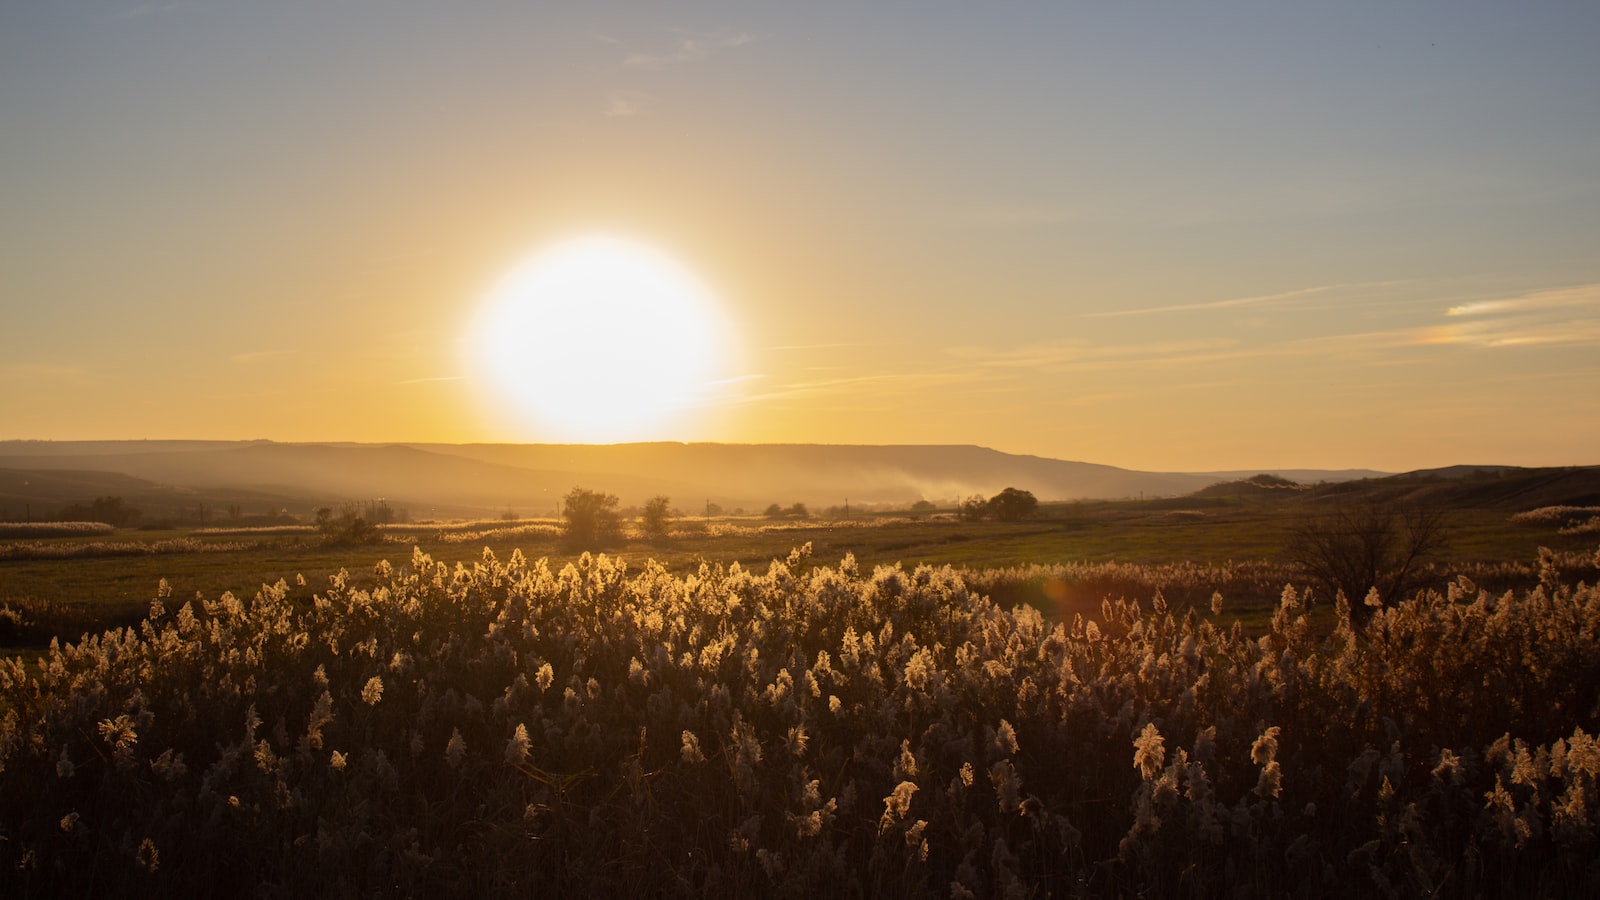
(591, 516)
(346, 526)
(1013, 505)
(974, 508)
(657, 516)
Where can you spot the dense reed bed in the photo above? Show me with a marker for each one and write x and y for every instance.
(505, 729)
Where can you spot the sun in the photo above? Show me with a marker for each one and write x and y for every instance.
(599, 339)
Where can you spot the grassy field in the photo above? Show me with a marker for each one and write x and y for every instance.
(508, 728)
(69, 586)
(746, 707)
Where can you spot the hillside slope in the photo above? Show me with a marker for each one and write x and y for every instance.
(484, 479)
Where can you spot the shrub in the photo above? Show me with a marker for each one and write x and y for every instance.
(1013, 505)
(656, 519)
(347, 527)
(591, 518)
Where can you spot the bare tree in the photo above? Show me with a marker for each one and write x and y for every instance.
(1354, 548)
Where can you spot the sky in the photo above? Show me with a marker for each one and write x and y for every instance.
(1164, 236)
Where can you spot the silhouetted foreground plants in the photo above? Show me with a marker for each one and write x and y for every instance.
(507, 730)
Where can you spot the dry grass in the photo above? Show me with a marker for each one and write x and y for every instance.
(506, 728)
(35, 530)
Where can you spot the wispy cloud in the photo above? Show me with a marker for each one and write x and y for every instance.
(1513, 334)
(622, 104)
(1058, 356)
(1556, 316)
(1220, 304)
(1583, 295)
(1086, 371)
(690, 47)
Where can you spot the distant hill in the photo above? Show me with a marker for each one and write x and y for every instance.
(444, 480)
(42, 489)
(1507, 488)
(1302, 476)
(1260, 486)
(758, 474)
(1482, 487)
(302, 477)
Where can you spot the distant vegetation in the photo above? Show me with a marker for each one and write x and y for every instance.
(347, 526)
(109, 510)
(794, 511)
(53, 529)
(1010, 505)
(656, 519)
(592, 520)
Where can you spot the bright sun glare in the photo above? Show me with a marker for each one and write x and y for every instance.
(599, 339)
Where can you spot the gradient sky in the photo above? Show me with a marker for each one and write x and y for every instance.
(1175, 236)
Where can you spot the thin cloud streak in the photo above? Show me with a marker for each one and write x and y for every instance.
(1263, 299)
(1502, 334)
(1559, 298)
(1067, 353)
(1169, 365)
(1215, 304)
